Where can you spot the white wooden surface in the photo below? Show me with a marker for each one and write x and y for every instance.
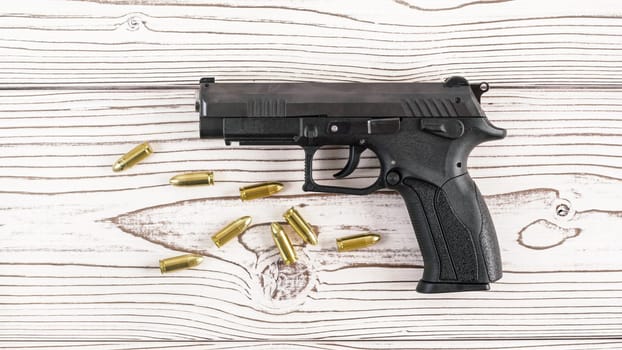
(84, 81)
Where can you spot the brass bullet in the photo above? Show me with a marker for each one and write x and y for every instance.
(345, 244)
(260, 190)
(180, 262)
(283, 243)
(231, 231)
(132, 157)
(302, 228)
(190, 179)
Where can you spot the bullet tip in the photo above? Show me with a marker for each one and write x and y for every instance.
(278, 187)
(312, 240)
(117, 166)
(246, 220)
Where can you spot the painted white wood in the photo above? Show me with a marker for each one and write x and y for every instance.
(157, 43)
(83, 82)
(331, 345)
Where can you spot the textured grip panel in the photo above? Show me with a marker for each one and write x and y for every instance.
(455, 234)
(488, 240)
(458, 238)
(470, 208)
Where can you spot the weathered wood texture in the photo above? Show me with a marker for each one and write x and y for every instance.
(85, 81)
(328, 345)
(89, 43)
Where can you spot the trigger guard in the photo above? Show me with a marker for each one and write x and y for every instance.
(310, 185)
(353, 161)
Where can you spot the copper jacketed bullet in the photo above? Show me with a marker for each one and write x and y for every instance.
(132, 157)
(283, 244)
(260, 190)
(190, 179)
(345, 244)
(231, 231)
(180, 262)
(300, 226)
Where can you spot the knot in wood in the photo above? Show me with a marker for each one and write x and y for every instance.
(562, 210)
(283, 288)
(283, 282)
(134, 23)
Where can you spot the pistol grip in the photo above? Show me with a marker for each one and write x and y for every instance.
(455, 234)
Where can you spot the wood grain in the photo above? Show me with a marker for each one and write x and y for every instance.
(329, 345)
(81, 243)
(172, 43)
(332, 345)
(84, 81)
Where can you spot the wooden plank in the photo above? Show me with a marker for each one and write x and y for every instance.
(80, 243)
(332, 345)
(153, 44)
(83, 81)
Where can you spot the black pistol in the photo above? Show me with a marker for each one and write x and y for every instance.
(421, 133)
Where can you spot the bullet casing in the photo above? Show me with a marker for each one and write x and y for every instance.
(231, 231)
(191, 179)
(260, 190)
(300, 226)
(132, 157)
(180, 262)
(345, 244)
(283, 244)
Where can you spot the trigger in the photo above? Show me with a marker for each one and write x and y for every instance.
(353, 162)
